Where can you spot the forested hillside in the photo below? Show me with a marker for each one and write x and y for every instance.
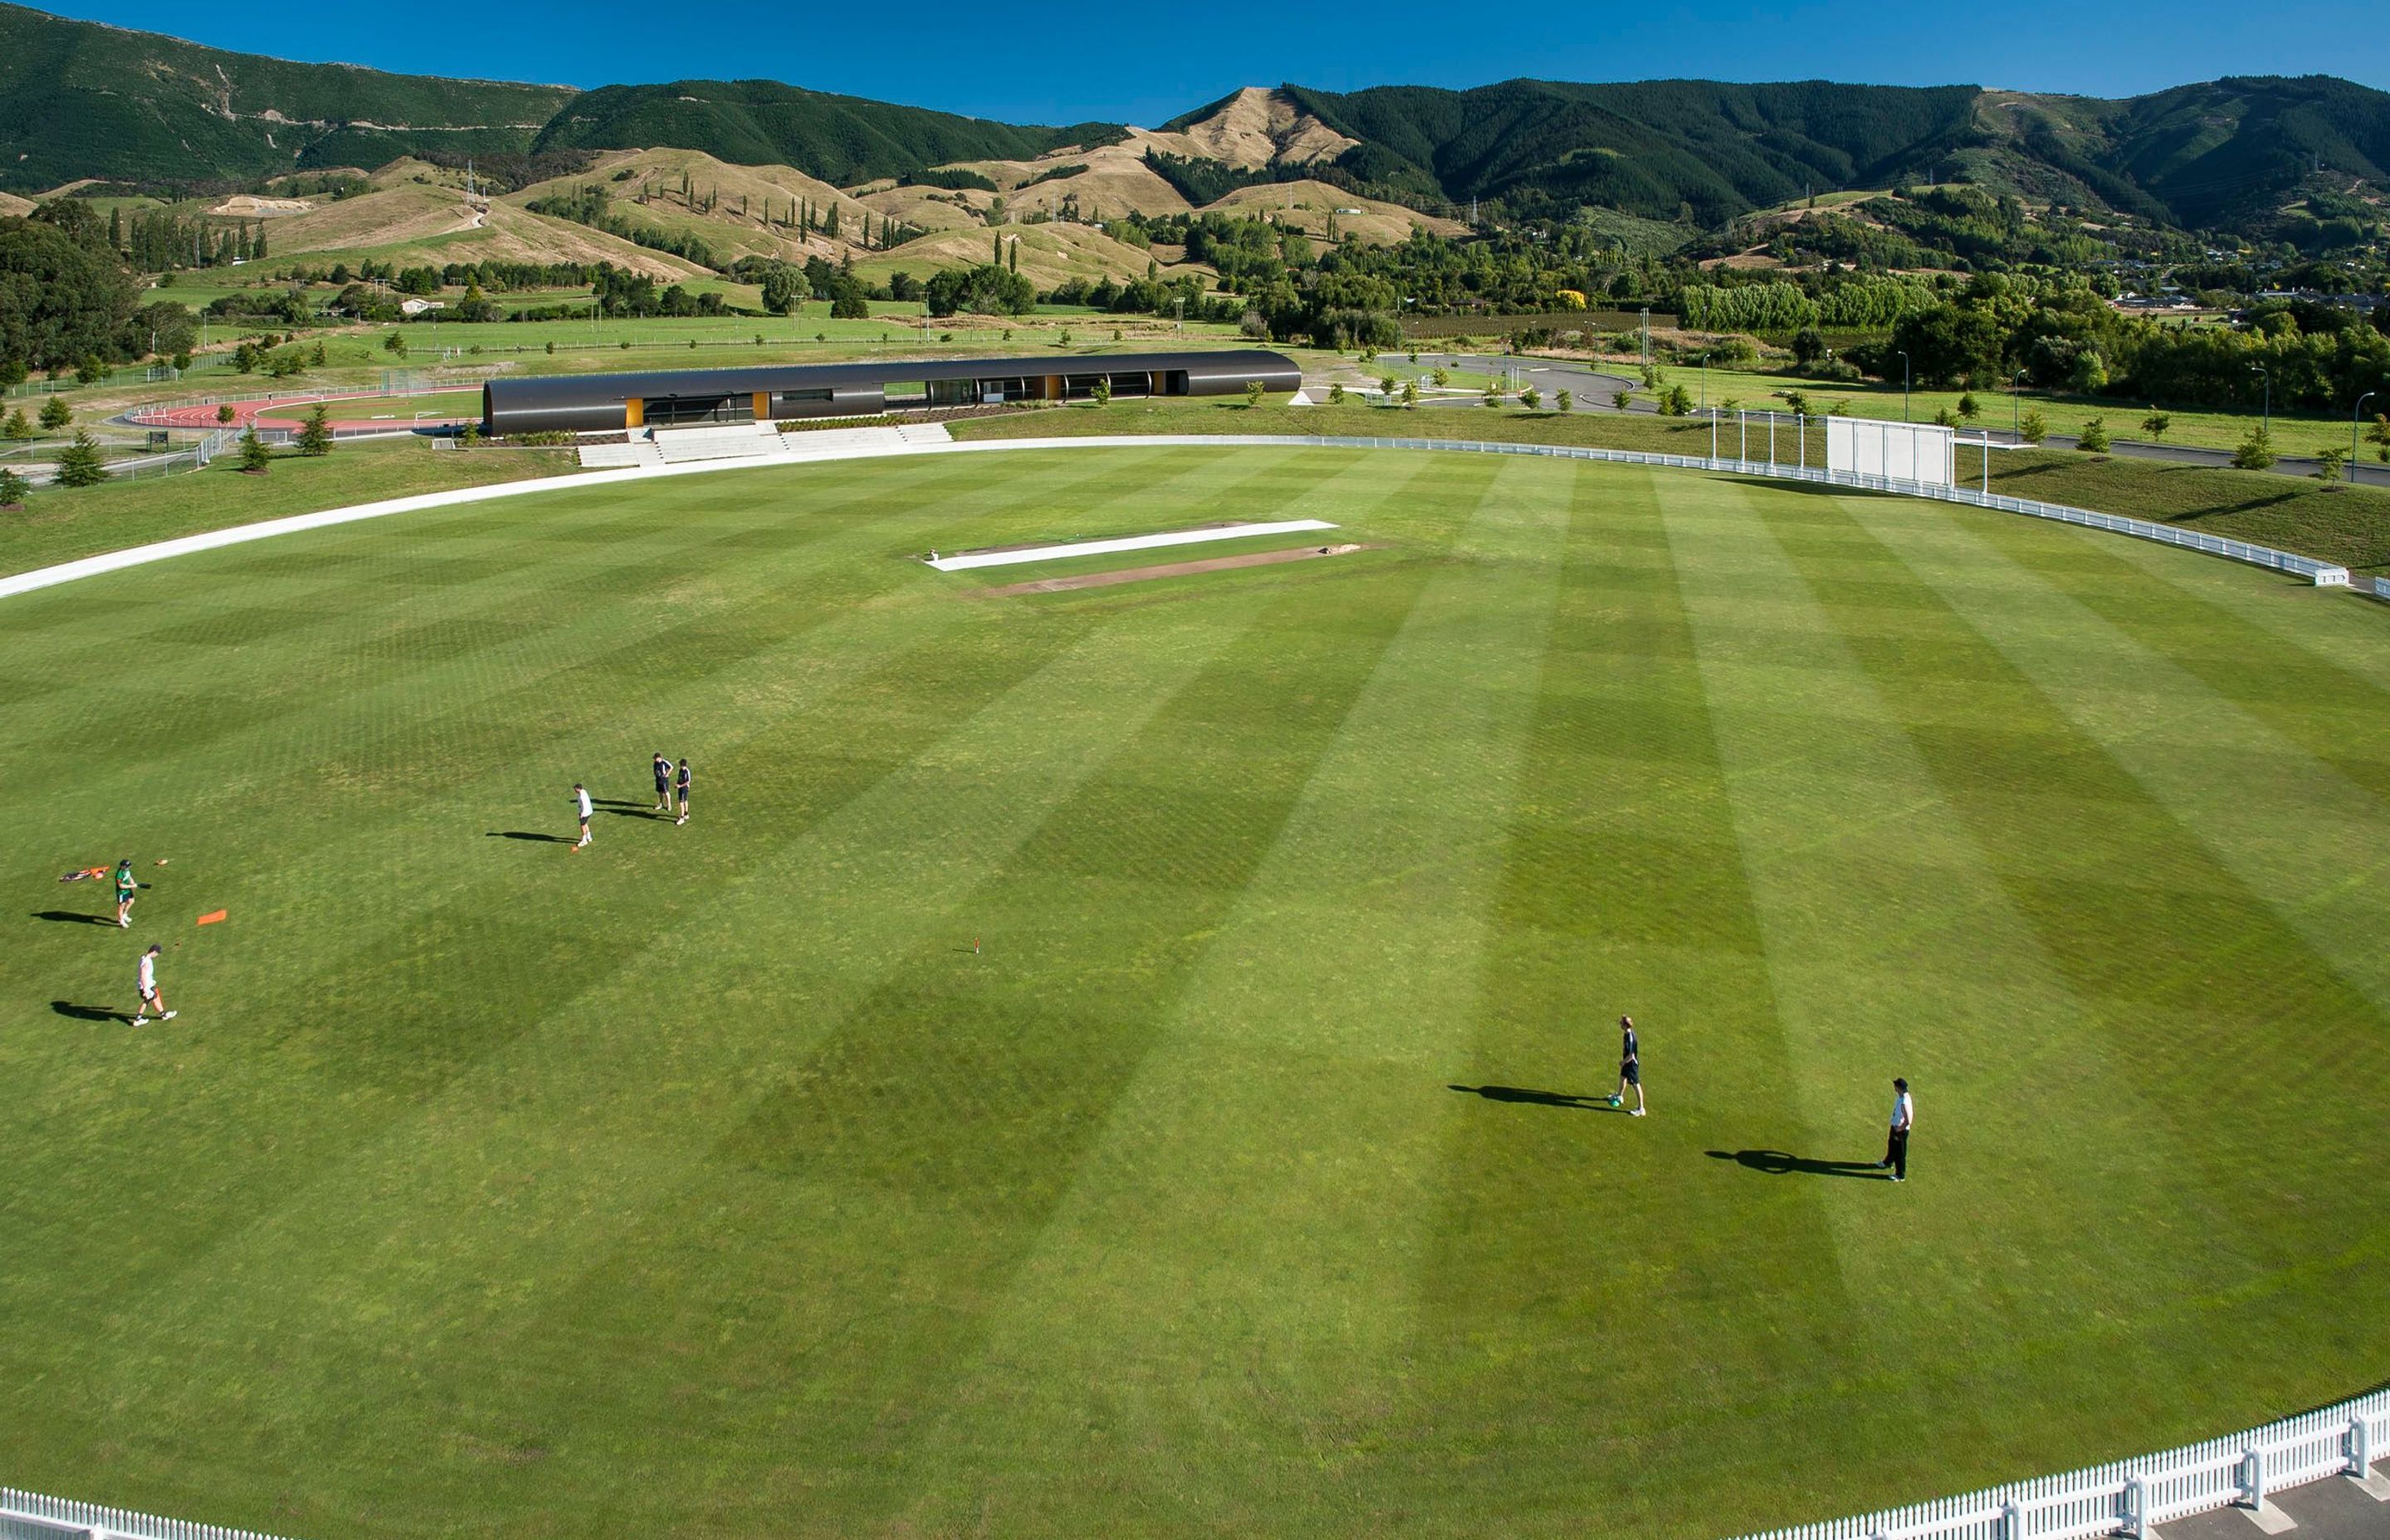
(78, 99)
(840, 139)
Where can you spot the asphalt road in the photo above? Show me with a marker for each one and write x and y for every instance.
(2334, 1508)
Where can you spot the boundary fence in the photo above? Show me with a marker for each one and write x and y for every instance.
(2323, 574)
(2131, 1497)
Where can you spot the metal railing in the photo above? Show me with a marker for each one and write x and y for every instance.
(2130, 1497)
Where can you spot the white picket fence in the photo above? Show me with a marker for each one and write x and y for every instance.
(2130, 1497)
(2122, 1497)
(2323, 574)
(31, 1516)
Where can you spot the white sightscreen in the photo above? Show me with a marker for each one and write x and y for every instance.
(1901, 451)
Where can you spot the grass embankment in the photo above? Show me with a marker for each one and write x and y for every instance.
(1253, 1179)
(2332, 522)
(61, 524)
(2293, 433)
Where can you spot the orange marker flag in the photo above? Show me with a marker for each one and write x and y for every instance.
(212, 918)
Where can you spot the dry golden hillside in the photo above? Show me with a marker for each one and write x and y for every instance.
(736, 210)
(11, 204)
(426, 222)
(1049, 253)
(1115, 181)
(929, 209)
(1308, 206)
(1254, 128)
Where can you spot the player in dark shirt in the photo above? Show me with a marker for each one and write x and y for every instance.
(663, 784)
(1630, 1066)
(683, 793)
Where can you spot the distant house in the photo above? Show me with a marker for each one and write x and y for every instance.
(418, 307)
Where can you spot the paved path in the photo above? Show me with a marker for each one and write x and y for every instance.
(2334, 1508)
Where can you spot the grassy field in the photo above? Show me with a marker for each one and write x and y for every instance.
(61, 524)
(1243, 1177)
(2337, 522)
(2295, 433)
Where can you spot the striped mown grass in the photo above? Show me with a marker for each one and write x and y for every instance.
(1248, 1176)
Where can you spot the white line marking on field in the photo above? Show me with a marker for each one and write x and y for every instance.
(1127, 543)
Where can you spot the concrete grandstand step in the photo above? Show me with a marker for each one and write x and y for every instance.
(924, 432)
(617, 456)
(812, 444)
(733, 441)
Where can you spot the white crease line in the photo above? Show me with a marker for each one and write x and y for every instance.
(1127, 543)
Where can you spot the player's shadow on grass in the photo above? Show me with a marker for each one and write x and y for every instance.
(631, 809)
(86, 1013)
(74, 917)
(526, 834)
(1775, 1163)
(1536, 1098)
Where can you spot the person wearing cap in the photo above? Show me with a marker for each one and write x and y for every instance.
(149, 987)
(581, 802)
(1903, 1118)
(125, 888)
(1630, 1066)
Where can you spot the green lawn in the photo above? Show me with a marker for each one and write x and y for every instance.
(2293, 433)
(710, 1182)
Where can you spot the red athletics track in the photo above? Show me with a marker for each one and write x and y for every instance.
(270, 414)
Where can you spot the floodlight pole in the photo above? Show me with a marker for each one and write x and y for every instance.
(1705, 407)
(2266, 423)
(2017, 407)
(2356, 415)
(1904, 387)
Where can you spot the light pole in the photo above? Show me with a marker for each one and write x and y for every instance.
(2017, 407)
(1705, 407)
(1904, 387)
(2266, 423)
(2354, 416)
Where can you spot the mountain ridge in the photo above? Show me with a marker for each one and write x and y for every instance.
(91, 100)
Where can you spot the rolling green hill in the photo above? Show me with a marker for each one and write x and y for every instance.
(840, 139)
(79, 99)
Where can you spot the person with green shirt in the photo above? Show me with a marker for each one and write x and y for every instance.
(125, 888)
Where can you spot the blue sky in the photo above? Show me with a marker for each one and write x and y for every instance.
(1143, 63)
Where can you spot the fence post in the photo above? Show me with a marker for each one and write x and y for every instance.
(2253, 1477)
(2011, 1521)
(2137, 1499)
(2361, 1446)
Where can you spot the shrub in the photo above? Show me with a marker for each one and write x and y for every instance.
(1621, 400)
(1410, 393)
(1493, 396)
(254, 458)
(1675, 402)
(18, 426)
(2094, 439)
(1441, 375)
(2255, 451)
(1565, 400)
(2032, 428)
(1336, 394)
(224, 412)
(56, 412)
(1387, 387)
(1102, 393)
(395, 342)
(315, 435)
(91, 371)
(1531, 398)
(2156, 424)
(1969, 407)
(1945, 418)
(1796, 401)
(13, 488)
(2329, 460)
(1252, 389)
(79, 463)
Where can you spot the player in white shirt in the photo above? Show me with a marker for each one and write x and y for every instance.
(150, 995)
(1903, 1118)
(581, 802)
